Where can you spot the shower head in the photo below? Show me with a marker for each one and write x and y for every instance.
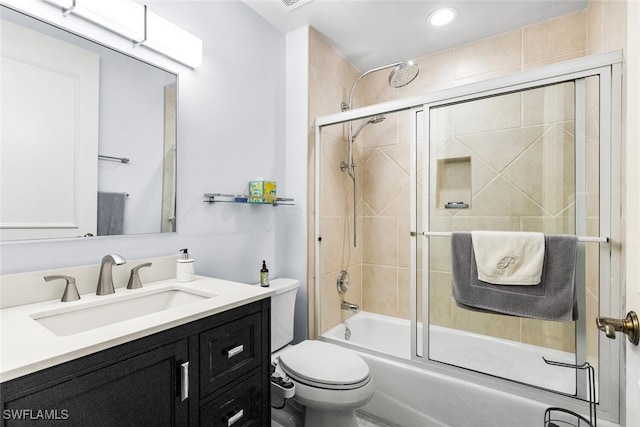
(372, 120)
(403, 74)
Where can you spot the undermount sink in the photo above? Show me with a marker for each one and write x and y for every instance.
(83, 318)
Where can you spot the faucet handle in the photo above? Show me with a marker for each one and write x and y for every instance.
(134, 278)
(70, 289)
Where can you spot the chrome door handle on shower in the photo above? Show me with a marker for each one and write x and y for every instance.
(629, 325)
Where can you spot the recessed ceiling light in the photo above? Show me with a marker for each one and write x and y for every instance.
(442, 16)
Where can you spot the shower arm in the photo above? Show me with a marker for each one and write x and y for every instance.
(349, 106)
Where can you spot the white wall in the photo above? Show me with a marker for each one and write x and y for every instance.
(292, 249)
(231, 129)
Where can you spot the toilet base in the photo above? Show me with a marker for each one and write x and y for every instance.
(291, 415)
(323, 418)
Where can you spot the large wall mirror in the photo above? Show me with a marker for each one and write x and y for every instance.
(88, 137)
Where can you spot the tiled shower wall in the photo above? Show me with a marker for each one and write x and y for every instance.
(330, 79)
(519, 149)
(378, 266)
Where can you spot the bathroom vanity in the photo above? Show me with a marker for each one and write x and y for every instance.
(204, 363)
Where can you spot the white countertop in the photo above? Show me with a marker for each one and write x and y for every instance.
(27, 346)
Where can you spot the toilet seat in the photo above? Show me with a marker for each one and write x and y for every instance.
(325, 366)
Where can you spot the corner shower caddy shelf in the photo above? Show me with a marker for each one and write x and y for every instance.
(244, 199)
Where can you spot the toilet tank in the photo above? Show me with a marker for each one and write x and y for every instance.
(283, 304)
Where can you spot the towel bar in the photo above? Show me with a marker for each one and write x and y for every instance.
(448, 234)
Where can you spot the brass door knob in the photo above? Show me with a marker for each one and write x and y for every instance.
(629, 325)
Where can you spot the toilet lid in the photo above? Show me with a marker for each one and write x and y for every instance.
(318, 362)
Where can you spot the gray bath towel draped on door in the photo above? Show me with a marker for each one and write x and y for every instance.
(554, 298)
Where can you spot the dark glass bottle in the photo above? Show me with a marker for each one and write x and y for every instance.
(264, 275)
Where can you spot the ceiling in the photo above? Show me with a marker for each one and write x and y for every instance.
(371, 33)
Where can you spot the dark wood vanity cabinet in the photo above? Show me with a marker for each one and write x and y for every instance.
(213, 371)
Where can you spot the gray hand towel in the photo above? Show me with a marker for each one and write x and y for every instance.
(110, 213)
(553, 299)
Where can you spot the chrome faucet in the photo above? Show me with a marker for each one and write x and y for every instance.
(105, 279)
(350, 306)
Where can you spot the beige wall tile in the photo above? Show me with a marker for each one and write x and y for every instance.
(404, 242)
(404, 293)
(551, 225)
(494, 325)
(495, 113)
(376, 86)
(595, 11)
(323, 94)
(311, 307)
(555, 335)
(380, 289)
(614, 25)
(435, 69)
(401, 154)
(593, 334)
(549, 104)
(499, 197)
(504, 223)
(440, 313)
(490, 54)
(399, 205)
(501, 147)
(554, 38)
(334, 233)
(324, 57)
(545, 171)
(376, 192)
(380, 240)
(330, 302)
(562, 58)
(378, 134)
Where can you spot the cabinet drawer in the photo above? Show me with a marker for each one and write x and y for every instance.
(229, 351)
(240, 406)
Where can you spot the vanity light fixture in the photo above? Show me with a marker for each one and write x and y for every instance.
(136, 23)
(442, 16)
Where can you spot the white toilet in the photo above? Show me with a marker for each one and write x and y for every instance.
(330, 382)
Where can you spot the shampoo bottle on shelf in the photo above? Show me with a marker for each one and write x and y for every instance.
(264, 275)
(184, 267)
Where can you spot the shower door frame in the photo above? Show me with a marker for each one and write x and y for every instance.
(608, 67)
(608, 355)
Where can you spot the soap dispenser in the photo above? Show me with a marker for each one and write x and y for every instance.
(184, 267)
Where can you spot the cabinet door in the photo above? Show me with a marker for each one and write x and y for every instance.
(241, 406)
(230, 351)
(141, 391)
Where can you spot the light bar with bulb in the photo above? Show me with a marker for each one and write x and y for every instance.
(142, 27)
(170, 40)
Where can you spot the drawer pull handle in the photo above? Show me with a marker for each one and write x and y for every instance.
(235, 351)
(184, 381)
(232, 420)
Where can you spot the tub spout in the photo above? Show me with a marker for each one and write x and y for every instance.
(350, 306)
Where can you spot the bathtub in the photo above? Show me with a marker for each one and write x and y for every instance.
(410, 395)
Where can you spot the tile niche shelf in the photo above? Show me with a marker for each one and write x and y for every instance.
(244, 199)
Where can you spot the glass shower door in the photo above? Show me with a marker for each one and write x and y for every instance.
(518, 161)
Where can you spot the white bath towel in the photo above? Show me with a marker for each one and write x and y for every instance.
(509, 258)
